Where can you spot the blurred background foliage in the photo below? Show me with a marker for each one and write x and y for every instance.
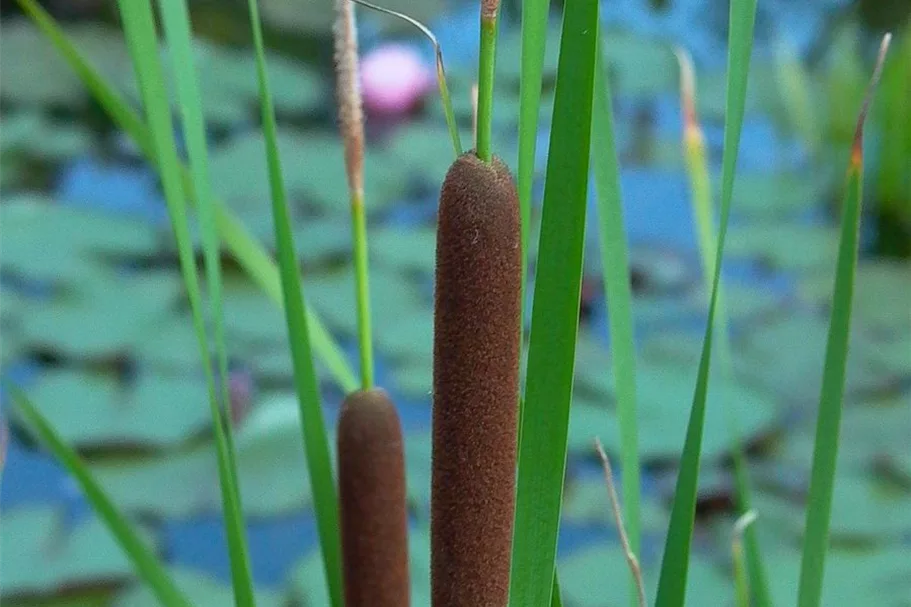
(95, 325)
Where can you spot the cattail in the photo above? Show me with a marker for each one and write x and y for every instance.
(475, 384)
(374, 518)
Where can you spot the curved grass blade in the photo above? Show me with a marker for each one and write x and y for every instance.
(142, 41)
(147, 565)
(441, 72)
(617, 291)
(249, 254)
(555, 315)
(675, 562)
(704, 213)
(313, 427)
(825, 447)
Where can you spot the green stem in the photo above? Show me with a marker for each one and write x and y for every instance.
(361, 272)
(447, 107)
(486, 68)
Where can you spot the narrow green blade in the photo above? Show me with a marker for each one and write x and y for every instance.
(249, 254)
(139, 28)
(144, 559)
(615, 264)
(534, 36)
(555, 315)
(316, 442)
(825, 449)
(675, 562)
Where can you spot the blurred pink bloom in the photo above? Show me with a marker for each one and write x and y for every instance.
(394, 79)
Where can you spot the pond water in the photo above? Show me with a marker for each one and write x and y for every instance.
(95, 328)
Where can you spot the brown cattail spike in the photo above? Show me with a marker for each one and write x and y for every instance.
(374, 517)
(475, 384)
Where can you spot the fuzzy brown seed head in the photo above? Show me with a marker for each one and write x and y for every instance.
(475, 384)
(374, 517)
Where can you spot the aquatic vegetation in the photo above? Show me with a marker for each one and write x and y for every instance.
(118, 326)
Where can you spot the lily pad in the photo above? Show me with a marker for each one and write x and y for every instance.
(791, 246)
(308, 581)
(778, 194)
(186, 484)
(597, 577)
(313, 168)
(200, 589)
(862, 510)
(408, 338)
(392, 297)
(664, 398)
(42, 554)
(586, 501)
(411, 249)
(418, 451)
(861, 577)
(89, 410)
(47, 241)
(414, 378)
(31, 133)
(111, 315)
(55, 83)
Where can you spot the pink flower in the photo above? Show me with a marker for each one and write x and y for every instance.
(394, 79)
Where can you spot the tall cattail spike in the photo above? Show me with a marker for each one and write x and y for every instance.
(475, 384)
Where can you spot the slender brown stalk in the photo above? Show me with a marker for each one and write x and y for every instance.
(475, 383)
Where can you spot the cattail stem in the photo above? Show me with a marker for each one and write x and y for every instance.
(351, 118)
(475, 384)
(373, 513)
(486, 68)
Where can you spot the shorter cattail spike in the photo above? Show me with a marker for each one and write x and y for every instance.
(373, 512)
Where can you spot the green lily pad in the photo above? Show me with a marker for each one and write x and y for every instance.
(410, 249)
(786, 357)
(200, 589)
(407, 338)
(424, 149)
(313, 168)
(779, 194)
(31, 133)
(308, 581)
(639, 65)
(664, 398)
(862, 510)
(586, 501)
(55, 83)
(317, 16)
(791, 246)
(862, 577)
(42, 554)
(418, 451)
(414, 378)
(597, 577)
(71, 239)
(740, 301)
(91, 410)
(185, 484)
(392, 298)
(110, 316)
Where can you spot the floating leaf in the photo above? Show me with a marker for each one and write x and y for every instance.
(42, 553)
(409, 337)
(411, 249)
(31, 133)
(414, 378)
(313, 171)
(789, 246)
(881, 577)
(308, 585)
(95, 410)
(47, 241)
(781, 194)
(200, 589)
(590, 578)
(585, 501)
